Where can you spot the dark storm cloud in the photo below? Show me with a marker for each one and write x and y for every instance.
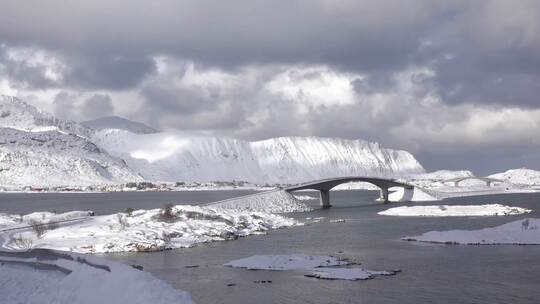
(23, 74)
(109, 72)
(496, 53)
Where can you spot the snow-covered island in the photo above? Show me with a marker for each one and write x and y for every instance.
(521, 232)
(455, 210)
(149, 230)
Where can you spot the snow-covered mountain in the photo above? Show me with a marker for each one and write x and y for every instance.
(116, 122)
(37, 148)
(521, 176)
(52, 158)
(174, 157)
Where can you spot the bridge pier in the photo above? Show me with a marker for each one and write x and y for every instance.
(324, 196)
(383, 198)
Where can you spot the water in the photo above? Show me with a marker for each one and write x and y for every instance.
(431, 273)
(107, 203)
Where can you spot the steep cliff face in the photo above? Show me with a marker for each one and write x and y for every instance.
(296, 159)
(173, 157)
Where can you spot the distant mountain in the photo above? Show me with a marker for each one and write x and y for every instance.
(116, 122)
(19, 115)
(173, 157)
(441, 175)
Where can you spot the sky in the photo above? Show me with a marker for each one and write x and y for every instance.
(456, 83)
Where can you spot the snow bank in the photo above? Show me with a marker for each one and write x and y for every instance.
(521, 232)
(456, 210)
(317, 266)
(10, 220)
(304, 197)
(150, 230)
(269, 202)
(44, 276)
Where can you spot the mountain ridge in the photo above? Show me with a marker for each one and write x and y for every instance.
(171, 156)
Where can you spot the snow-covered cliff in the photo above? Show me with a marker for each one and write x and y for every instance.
(174, 157)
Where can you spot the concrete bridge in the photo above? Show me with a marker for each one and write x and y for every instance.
(324, 186)
(487, 180)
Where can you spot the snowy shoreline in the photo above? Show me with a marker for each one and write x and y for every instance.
(47, 276)
(455, 210)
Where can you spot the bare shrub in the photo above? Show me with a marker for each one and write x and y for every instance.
(129, 211)
(21, 242)
(122, 221)
(166, 214)
(41, 228)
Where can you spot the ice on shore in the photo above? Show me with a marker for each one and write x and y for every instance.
(46, 276)
(317, 266)
(148, 230)
(286, 262)
(455, 210)
(521, 232)
(350, 274)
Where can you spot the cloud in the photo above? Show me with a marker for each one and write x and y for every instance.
(450, 81)
(96, 106)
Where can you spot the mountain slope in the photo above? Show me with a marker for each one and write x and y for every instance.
(17, 114)
(173, 157)
(116, 122)
(52, 158)
(521, 176)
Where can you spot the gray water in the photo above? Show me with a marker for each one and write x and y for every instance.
(431, 273)
(107, 203)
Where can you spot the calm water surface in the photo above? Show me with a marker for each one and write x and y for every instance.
(107, 203)
(431, 273)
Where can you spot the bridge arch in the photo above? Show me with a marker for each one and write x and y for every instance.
(324, 186)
